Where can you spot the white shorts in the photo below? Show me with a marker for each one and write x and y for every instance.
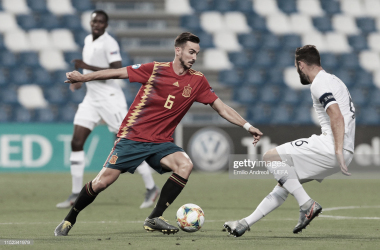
(313, 158)
(90, 113)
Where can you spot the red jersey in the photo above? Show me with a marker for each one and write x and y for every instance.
(162, 101)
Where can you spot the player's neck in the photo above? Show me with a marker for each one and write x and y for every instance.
(314, 72)
(178, 68)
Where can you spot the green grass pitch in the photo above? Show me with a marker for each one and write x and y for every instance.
(114, 220)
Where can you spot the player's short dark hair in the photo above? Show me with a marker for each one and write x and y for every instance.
(101, 12)
(309, 55)
(185, 37)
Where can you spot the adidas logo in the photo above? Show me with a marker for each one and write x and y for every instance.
(176, 84)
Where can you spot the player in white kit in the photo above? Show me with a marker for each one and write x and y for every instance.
(312, 158)
(105, 101)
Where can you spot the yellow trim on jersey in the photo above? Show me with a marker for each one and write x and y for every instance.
(194, 72)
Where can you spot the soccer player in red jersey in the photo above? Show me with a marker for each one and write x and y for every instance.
(168, 90)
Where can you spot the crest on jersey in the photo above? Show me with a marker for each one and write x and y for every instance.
(136, 66)
(176, 84)
(113, 159)
(186, 91)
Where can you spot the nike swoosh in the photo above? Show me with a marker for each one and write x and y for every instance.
(154, 223)
(311, 212)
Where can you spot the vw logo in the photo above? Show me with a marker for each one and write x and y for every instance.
(209, 149)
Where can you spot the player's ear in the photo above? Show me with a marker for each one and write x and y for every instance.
(178, 51)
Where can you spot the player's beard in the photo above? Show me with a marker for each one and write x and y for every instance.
(304, 79)
(183, 64)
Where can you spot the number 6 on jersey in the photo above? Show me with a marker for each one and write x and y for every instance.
(169, 103)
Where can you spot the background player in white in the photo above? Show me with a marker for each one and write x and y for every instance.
(311, 158)
(104, 100)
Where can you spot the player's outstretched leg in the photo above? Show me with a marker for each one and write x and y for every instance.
(181, 165)
(308, 212)
(237, 228)
(152, 190)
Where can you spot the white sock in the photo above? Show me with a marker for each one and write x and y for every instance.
(77, 160)
(301, 196)
(146, 174)
(269, 203)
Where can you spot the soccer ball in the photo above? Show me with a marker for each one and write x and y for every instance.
(190, 217)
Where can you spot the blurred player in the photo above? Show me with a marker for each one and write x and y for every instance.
(168, 90)
(104, 100)
(312, 158)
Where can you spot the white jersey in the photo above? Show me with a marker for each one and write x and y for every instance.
(326, 90)
(100, 53)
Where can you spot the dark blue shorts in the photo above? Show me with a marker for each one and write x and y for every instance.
(127, 155)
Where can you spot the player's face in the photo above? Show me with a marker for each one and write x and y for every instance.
(303, 77)
(189, 54)
(98, 24)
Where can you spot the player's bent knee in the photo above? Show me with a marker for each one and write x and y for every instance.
(271, 155)
(77, 145)
(184, 168)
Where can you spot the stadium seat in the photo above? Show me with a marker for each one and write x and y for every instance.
(285, 58)
(366, 24)
(374, 41)
(292, 78)
(17, 41)
(310, 7)
(7, 22)
(263, 58)
(207, 40)
(29, 59)
(239, 59)
(330, 7)
(23, 115)
(374, 98)
(337, 43)
(2, 45)
(72, 55)
(282, 114)
(21, 76)
(38, 6)
(200, 5)
(266, 7)
(254, 77)
(301, 24)
(71, 22)
(346, 75)
(176, 7)
(371, 7)
(42, 77)
(322, 23)
(190, 22)
(56, 94)
(270, 42)
(59, 76)
(302, 115)
(212, 21)
(5, 113)
(275, 76)
(287, 6)
(46, 115)
(291, 42)
(352, 8)
(359, 96)
(358, 42)
(345, 24)
(222, 5)
(9, 95)
(329, 61)
(261, 114)
(49, 21)
(8, 59)
(4, 79)
(249, 41)
(376, 79)
(236, 22)
(27, 22)
(78, 95)
(349, 61)
(290, 96)
(67, 112)
(15, 6)
(279, 24)
(79, 37)
(226, 40)
(31, 96)
(230, 77)
(364, 78)
(270, 94)
(369, 60)
(40, 39)
(82, 5)
(369, 116)
(63, 40)
(216, 59)
(257, 23)
(60, 7)
(52, 59)
(246, 95)
(86, 19)
(245, 6)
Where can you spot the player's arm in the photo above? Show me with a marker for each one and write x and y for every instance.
(80, 64)
(75, 76)
(232, 116)
(337, 126)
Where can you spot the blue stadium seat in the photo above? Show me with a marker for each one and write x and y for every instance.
(244, 6)
(9, 95)
(261, 114)
(323, 23)
(207, 40)
(239, 59)
(46, 115)
(5, 113)
(254, 77)
(282, 114)
(305, 98)
(290, 96)
(125, 59)
(302, 115)
(249, 41)
(285, 58)
(230, 77)
(349, 61)
(346, 75)
(270, 41)
(72, 55)
(329, 61)
(21, 76)
(364, 78)
(191, 22)
(246, 95)
(287, 6)
(49, 21)
(79, 36)
(59, 76)
(71, 22)
(29, 59)
(223, 5)
(330, 7)
(38, 6)
(366, 24)
(8, 59)
(257, 23)
(23, 115)
(42, 77)
(78, 95)
(275, 76)
(270, 94)
(67, 112)
(83, 5)
(291, 42)
(27, 22)
(374, 98)
(56, 94)
(359, 96)
(358, 42)
(369, 116)
(2, 45)
(200, 5)
(263, 58)
(4, 79)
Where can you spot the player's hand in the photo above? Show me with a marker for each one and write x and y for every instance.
(75, 86)
(256, 134)
(342, 164)
(79, 64)
(74, 77)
